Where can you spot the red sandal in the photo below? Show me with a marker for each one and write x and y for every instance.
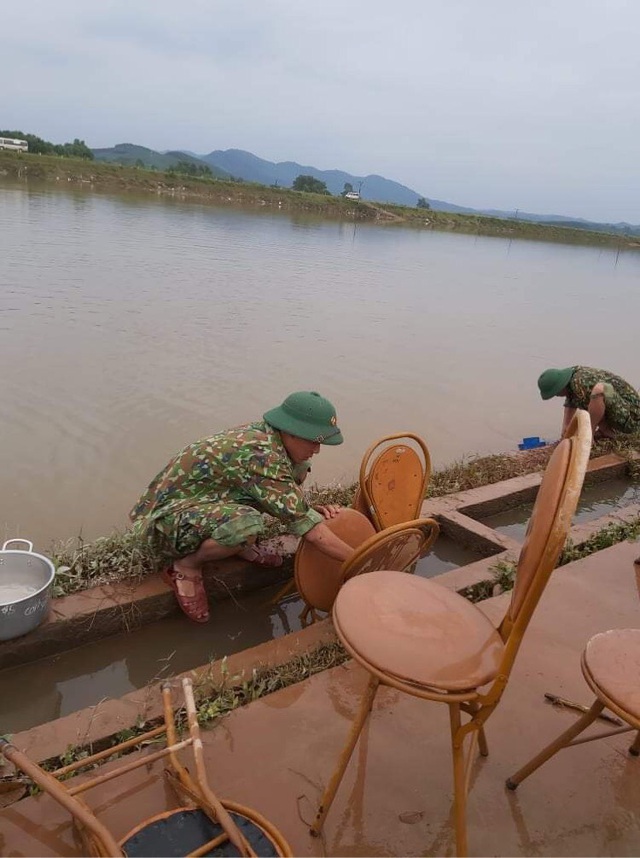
(196, 607)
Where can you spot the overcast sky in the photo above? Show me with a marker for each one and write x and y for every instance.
(483, 103)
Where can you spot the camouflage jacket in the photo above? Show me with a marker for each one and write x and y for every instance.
(585, 378)
(246, 465)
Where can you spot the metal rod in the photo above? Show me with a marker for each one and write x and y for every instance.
(604, 735)
(101, 755)
(50, 785)
(207, 847)
(224, 818)
(129, 767)
(460, 780)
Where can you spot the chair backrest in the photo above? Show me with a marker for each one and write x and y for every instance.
(319, 578)
(548, 528)
(397, 548)
(394, 476)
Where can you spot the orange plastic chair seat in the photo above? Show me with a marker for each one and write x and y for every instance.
(417, 631)
(611, 665)
(319, 577)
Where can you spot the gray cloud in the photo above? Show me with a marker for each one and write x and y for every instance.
(482, 104)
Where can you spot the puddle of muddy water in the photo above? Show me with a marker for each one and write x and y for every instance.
(54, 687)
(445, 555)
(596, 501)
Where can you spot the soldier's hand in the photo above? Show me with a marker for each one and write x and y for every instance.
(330, 510)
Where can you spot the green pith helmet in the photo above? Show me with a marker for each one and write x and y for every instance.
(307, 415)
(552, 381)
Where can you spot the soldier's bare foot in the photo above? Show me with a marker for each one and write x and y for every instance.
(260, 555)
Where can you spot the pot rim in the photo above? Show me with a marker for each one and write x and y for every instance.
(49, 563)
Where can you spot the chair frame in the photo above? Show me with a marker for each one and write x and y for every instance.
(476, 705)
(568, 738)
(196, 792)
(363, 500)
(365, 548)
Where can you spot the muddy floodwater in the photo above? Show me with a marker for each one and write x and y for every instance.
(596, 501)
(130, 327)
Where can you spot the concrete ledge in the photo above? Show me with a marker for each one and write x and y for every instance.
(497, 497)
(115, 608)
(96, 724)
(474, 535)
(581, 532)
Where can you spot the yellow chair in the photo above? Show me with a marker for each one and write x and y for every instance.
(393, 480)
(202, 824)
(319, 578)
(611, 667)
(421, 638)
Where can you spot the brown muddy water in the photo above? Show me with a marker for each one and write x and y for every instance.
(596, 501)
(119, 664)
(130, 327)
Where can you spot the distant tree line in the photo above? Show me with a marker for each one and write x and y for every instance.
(186, 168)
(77, 149)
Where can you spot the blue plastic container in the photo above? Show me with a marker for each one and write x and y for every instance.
(531, 443)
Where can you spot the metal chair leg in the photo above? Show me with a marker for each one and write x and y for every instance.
(459, 780)
(562, 741)
(482, 742)
(336, 778)
(289, 587)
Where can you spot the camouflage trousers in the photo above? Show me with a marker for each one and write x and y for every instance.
(620, 414)
(180, 533)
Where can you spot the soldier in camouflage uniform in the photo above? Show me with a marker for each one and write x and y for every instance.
(613, 404)
(208, 502)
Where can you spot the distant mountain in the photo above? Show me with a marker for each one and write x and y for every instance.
(249, 167)
(238, 164)
(130, 154)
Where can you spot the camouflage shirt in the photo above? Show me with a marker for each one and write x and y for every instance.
(247, 465)
(585, 378)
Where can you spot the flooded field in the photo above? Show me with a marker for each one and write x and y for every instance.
(595, 501)
(130, 327)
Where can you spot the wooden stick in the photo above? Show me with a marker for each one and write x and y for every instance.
(560, 701)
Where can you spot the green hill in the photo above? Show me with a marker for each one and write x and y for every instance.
(131, 155)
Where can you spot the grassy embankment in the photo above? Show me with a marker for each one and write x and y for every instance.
(99, 176)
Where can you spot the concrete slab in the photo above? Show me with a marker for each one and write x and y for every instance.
(277, 753)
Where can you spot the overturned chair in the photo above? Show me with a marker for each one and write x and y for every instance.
(421, 638)
(319, 578)
(202, 825)
(393, 480)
